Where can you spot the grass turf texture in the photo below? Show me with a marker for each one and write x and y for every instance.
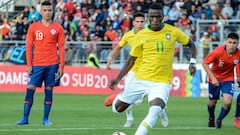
(86, 115)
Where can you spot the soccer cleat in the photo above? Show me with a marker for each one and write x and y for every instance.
(46, 123)
(129, 123)
(211, 122)
(164, 118)
(237, 122)
(219, 124)
(109, 100)
(22, 122)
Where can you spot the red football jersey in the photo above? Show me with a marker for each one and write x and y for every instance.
(45, 44)
(223, 64)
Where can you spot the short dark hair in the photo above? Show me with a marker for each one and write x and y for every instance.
(138, 14)
(156, 6)
(233, 36)
(46, 3)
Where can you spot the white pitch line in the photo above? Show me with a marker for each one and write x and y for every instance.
(71, 129)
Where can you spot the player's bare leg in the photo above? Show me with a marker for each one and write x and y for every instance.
(129, 113)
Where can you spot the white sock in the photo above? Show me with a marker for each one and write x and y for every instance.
(149, 120)
(129, 113)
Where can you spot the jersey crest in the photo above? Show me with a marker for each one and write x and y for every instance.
(53, 31)
(168, 36)
(236, 61)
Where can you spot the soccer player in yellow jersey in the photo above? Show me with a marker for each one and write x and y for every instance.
(156, 45)
(128, 38)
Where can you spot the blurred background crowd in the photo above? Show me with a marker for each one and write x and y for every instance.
(101, 21)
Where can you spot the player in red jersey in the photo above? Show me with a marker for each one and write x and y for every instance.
(45, 60)
(221, 77)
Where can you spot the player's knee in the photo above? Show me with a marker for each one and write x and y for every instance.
(119, 106)
(227, 105)
(157, 102)
(114, 109)
(212, 102)
(49, 88)
(32, 87)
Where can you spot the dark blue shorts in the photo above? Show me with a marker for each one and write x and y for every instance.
(223, 88)
(46, 74)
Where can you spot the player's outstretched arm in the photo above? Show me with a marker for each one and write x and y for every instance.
(127, 66)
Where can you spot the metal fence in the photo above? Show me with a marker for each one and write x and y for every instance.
(80, 50)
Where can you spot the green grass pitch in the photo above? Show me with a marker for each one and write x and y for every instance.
(86, 115)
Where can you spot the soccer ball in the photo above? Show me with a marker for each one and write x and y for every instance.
(119, 133)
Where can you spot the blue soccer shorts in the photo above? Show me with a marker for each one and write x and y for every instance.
(223, 88)
(46, 74)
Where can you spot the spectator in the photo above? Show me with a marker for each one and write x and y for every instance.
(188, 6)
(84, 12)
(85, 33)
(205, 41)
(116, 23)
(38, 5)
(34, 15)
(107, 23)
(198, 13)
(91, 25)
(126, 22)
(68, 54)
(197, 3)
(184, 21)
(238, 13)
(105, 49)
(102, 15)
(112, 11)
(218, 11)
(66, 13)
(227, 9)
(57, 15)
(173, 15)
(115, 3)
(5, 27)
(122, 13)
(103, 4)
(129, 7)
(208, 11)
(60, 4)
(99, 32)
(25, 25)
(110, 33)
(25, 12)
(4, 47)
(214, 40)
(90, 5)
(213, 4)
(92, 59)
(19, 29)
(178, 4)
(70, 7)
(66, 23)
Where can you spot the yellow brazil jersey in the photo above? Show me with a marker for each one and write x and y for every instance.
(157, 49)
(128, 38)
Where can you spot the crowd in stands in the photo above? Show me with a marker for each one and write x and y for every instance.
(108, 20)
